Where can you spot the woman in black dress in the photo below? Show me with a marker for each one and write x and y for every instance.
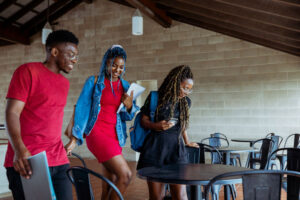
(165, 144)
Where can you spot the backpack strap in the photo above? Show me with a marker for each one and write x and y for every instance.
(153, 104)
(95, 81)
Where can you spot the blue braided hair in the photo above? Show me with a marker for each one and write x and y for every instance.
(113, 52)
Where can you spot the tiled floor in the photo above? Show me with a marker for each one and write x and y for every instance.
(137, 189)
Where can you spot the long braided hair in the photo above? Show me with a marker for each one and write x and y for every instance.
(169, 92)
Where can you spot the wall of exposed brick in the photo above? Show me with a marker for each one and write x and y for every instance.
(241, 89)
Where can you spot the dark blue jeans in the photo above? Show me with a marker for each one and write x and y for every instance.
(62, 185)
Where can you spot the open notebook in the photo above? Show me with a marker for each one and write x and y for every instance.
(39, 186)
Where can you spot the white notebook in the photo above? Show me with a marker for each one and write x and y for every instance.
(39, 186)
(137, 91)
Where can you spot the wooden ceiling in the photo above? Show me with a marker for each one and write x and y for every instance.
(271, 23)
(20, 19)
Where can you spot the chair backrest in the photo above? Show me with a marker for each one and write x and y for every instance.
(265, 151)
(257, 184)
(296, 143)
(215, 141)
(197, 155)
(269, 135)
(276, 143)
(293, 183)
(83, 186)
(80, 158)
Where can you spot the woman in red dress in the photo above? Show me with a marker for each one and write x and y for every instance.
(97, 118)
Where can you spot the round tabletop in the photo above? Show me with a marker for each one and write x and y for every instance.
(236, 149)
(189, 174)
(244, 139)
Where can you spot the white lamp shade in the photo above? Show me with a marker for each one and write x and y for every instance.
(45, 32)
(137, 23)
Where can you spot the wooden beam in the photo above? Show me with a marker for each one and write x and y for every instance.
(4, 43)
(246, 37)
(280, 31)
(292, 2)
(88, 1)
(122, 2)
(238, 34)
(240, 12)
(42, 17)
(5, 4)
(149, 8)
(36, 24)
(23, 11)
(270, 6)
(242, 29)
(13, 34)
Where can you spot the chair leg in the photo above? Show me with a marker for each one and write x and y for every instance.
(215, 192)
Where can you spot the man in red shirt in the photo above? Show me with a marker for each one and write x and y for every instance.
(36, 99)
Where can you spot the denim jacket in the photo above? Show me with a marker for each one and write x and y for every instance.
(88, 107)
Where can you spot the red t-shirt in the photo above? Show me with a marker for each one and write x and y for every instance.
(45, 95)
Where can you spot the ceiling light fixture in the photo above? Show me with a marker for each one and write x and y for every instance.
(137, 23)
(47, 28)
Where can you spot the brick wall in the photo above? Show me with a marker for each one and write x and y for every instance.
(241, 89)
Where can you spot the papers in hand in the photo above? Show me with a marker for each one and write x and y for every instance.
(137, 91)
(39, 186)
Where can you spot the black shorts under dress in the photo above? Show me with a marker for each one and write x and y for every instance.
(163, 147)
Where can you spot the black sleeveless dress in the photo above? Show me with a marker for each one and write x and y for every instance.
(163, 147)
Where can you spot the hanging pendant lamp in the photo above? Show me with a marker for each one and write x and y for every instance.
(47, 28)
(137, 23)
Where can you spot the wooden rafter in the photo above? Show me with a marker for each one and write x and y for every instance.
(270, 6)
(5, 4)
(23, 11)
(244, 22)
(241, 12)
(149, 8)
(54, 13)
(238, 33)
(13, 34)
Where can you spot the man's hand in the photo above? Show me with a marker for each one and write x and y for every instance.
(21, 163)
(71, 145)
(127, 100)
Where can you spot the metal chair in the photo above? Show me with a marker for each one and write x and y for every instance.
(220, 140)
(293, 163)
(259, 184)
(80, 158)
(296, 142)
(197, 155)
(78, 176)
(262, 157)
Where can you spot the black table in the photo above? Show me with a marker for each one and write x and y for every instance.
(226, 151)
(248, 140)
(189, 174)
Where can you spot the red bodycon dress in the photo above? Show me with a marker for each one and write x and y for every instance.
(103, 140)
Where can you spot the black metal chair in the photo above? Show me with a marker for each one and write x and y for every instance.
(197, 155)
(79, 176)
(260, 184)
(296, 142)
(262, 157)
(80, 158)
(293, 163)
(220, 140)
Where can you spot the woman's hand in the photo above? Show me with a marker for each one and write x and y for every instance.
(192, 144)
(71, 145)
(127, 100)
(162, 125)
